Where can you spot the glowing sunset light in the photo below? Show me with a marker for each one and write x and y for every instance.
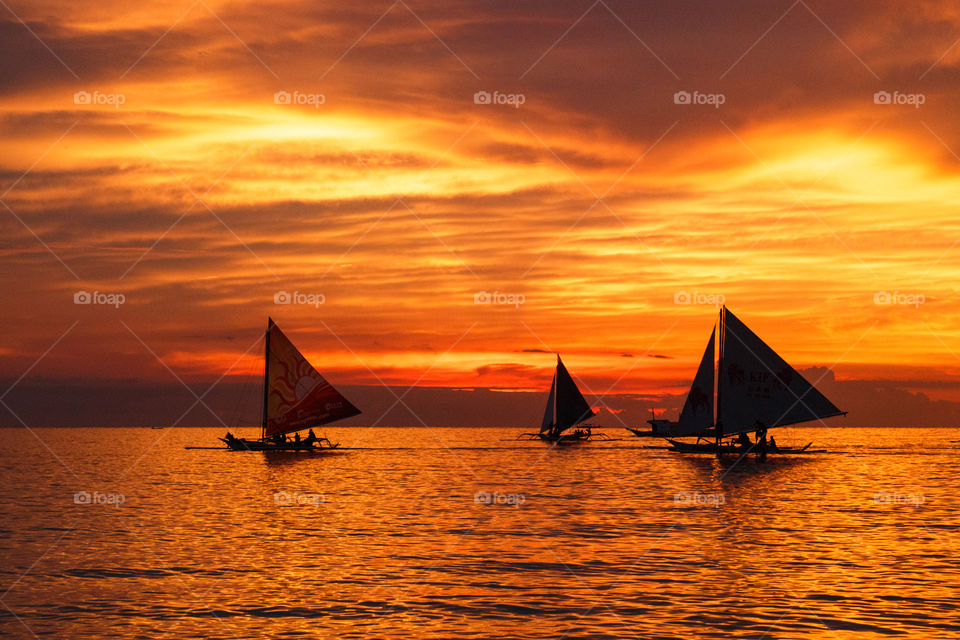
(370, 172)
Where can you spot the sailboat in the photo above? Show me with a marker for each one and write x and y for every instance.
(295, 398)
(754, 390)
(566, 408)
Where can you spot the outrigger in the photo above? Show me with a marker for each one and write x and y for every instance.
(295, 397)
(755, 390)
(566, 408)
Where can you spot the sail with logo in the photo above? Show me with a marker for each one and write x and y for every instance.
(566, 408)
(295, 398)
(759, 388)
(755, 390)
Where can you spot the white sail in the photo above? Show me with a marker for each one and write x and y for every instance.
(697, 413)
(759, 389)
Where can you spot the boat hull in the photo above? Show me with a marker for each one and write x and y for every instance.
(712, 448)
(574, 437)
(565, 439)
(241, 444)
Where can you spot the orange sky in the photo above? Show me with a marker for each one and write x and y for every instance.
(599, 200)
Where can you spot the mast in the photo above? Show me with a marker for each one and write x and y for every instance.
(266, 379)
(555, 430)
(718, 427)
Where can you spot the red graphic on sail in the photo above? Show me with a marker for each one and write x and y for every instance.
(298, 397)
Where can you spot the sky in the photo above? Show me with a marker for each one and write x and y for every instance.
(441, 195)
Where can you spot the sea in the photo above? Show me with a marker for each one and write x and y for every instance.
(469, 533)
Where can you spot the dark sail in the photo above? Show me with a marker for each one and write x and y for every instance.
(697, 413)
(548, 414)
(571, 406)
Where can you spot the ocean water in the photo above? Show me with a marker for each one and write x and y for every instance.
(464, 533)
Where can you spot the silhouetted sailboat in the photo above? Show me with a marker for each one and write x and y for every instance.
(295, 397)
(566, 408)
(755, 390)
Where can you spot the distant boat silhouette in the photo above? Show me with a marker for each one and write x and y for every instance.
(566, 408)
(295, 397)
(755, 390)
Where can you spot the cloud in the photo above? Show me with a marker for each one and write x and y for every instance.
(399, 198)
(509, 369)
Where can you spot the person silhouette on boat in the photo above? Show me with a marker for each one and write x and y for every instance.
(744, 440)
(761, 437)
(761, 434)
(772, 444)
(296, 439)
(311, 438)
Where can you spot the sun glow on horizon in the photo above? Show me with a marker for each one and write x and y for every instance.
(399, 198)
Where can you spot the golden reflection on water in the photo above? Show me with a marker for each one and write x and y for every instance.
(464, 533)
